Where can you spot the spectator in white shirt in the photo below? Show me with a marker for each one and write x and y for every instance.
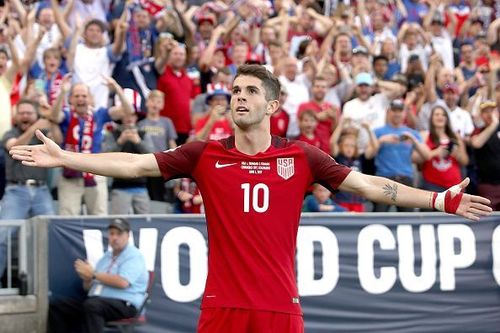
(94, 56)
(441, 36)
(298, 93)
(461, 120)
(368, 108)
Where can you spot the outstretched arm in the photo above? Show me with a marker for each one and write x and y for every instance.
(387, 191)
(118, 165)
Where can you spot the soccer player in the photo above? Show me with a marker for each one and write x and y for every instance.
(253, 185)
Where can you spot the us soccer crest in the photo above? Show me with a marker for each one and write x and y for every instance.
(286, 167)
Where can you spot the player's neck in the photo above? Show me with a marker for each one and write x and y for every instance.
(252, 142)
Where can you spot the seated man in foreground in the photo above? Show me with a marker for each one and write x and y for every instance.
(116, 287)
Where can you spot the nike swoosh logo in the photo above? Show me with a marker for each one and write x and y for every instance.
(220, 165)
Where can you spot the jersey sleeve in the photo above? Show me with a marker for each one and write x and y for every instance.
(324, 169)
(181, 161)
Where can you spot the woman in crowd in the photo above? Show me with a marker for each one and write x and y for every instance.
(448, 154)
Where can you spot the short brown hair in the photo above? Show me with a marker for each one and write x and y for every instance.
(224, 70)
(276, 43)
(156, 94)
(76, 85)
(52, 51)
(270, 83)
(103, 26)
(318, 78)
(307, 112)
(29, 101)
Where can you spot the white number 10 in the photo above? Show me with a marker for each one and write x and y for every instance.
(259, 191)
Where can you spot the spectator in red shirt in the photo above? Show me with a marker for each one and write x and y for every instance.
(178, 89)
(280, 118)
(307, 125)
(447, 152)
(326, 113)
(216, 124)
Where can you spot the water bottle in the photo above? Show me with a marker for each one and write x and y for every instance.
(23, 284)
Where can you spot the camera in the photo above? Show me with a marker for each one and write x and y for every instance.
(450, 146)
(404, 137)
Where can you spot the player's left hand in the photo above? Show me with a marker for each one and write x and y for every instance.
(454, 201)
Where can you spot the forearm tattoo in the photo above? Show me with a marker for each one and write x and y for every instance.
(391, 191)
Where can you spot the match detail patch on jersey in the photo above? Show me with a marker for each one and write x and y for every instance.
(286, 168)
(256, 167)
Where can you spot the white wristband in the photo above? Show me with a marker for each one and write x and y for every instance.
(439, 203)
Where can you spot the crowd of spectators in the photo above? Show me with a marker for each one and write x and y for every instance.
(406, 89)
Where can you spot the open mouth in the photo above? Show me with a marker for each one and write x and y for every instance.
(24, 125)
(242, 109)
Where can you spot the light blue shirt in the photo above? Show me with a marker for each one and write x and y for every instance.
(131, 266)
(395, 159)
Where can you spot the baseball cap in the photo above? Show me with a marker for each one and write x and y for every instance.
(450, 87)
(120, 224)
(437, 18)
(360, 50)
(205, 18)
(253, 59)
(487, 104)
(133, 97)
(217, 90)
(397, 104)
(482, 61)
(413, 57)
(477, 20)
(364, 78)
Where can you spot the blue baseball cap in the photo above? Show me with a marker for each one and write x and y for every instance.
(364, 78)
(217, 90)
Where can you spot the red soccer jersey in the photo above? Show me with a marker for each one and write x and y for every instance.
(252, 206)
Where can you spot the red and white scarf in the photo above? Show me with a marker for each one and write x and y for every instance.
(54, 87)
(81, 144)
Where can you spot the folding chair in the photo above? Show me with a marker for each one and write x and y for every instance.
(127, 325)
